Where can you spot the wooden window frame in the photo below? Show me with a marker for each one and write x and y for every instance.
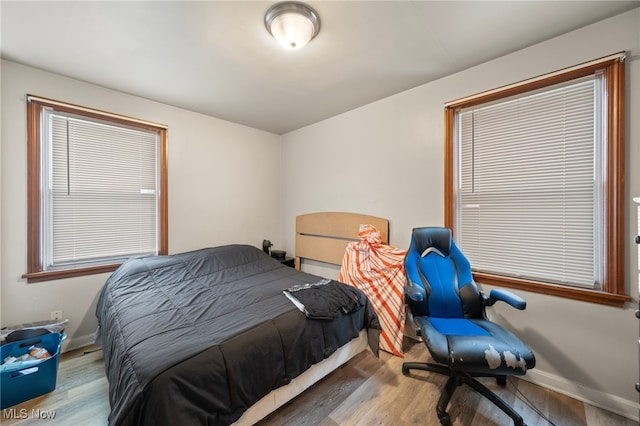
(35, 105)
(613, 286)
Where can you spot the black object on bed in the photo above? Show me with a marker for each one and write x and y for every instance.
(198, 337)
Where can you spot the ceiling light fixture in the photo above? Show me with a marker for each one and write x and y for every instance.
(292, 24)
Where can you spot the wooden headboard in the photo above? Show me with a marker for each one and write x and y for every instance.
(324, 236)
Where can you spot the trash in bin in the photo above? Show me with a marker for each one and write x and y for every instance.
(28, 377)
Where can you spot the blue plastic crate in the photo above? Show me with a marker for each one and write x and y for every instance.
(33, 380)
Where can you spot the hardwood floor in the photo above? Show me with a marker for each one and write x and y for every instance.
(368, 391)
(365, 391)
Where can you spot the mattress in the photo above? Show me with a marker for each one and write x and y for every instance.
(199, 337)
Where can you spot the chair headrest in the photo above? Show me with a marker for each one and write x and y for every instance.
(432, 237)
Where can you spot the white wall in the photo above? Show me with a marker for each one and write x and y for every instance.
(218, 193)
(386, 159)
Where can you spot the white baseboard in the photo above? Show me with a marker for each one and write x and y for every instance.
(615, 404)
(77, 342)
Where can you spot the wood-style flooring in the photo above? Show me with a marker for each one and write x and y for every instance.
(365, 391)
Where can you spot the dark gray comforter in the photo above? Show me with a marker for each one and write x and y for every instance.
(198, 337)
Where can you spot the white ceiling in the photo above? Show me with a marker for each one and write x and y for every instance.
(216, 58)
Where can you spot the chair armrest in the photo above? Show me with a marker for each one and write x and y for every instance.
(415, 292)
(507, 297)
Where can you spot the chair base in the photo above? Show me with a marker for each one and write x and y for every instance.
(457, 378)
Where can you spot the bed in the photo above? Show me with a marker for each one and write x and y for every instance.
(208, 337)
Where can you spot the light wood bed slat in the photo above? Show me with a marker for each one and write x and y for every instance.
(324, 236)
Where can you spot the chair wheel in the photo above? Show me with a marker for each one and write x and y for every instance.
(501, 380)
(445, 420)
(405, 370)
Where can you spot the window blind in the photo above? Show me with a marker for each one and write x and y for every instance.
(101, 202)
(528, 185)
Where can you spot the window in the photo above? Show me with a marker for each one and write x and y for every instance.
(97, 190)
(534, 183)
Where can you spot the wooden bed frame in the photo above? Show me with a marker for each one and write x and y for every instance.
(324, 236)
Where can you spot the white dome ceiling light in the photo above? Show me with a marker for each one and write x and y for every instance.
(292, 24)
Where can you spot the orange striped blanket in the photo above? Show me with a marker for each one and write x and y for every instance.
(378, 270)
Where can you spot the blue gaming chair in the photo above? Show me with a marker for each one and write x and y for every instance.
(448, 311)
